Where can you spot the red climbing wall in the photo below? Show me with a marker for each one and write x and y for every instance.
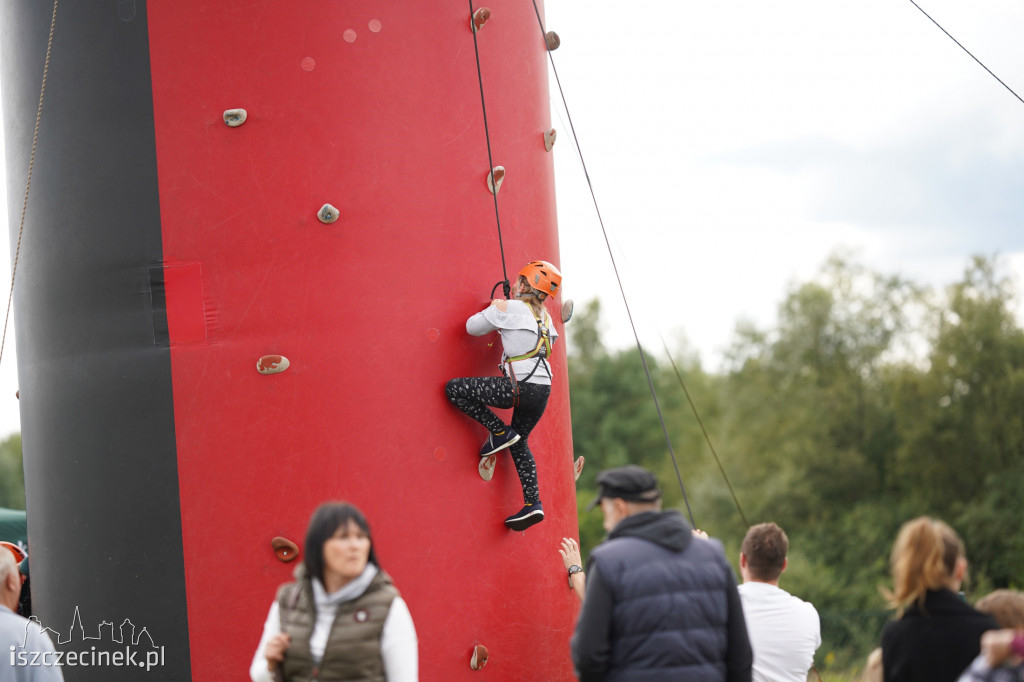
(373, 107)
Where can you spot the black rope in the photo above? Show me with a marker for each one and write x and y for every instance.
(615, 267)
(506, 288)
(967, 51)
(28, 181)
(693, 406)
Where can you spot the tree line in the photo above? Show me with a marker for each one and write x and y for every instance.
(870, 400)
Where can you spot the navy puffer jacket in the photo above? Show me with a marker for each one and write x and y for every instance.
(661, 605)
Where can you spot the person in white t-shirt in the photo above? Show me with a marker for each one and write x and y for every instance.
(784, 630)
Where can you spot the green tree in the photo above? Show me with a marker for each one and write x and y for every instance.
(12, 473)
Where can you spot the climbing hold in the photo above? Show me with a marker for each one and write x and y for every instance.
(272, 364)
(328, 214)
(577, 468)
(553, 41)
(479, 659)
(285, 549)
(486, 467)
(480, 18)
(235, 117)
(549, 139)
(495, 178)
(567, 307)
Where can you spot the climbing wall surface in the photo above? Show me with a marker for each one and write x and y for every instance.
(160, 462)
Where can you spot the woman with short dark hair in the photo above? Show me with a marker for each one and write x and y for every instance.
(342, 617)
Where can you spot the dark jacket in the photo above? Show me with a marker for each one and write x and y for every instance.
(660, 605)
(934, 644)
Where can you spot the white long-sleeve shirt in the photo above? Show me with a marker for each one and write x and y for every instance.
(398, 643)
(518, 329)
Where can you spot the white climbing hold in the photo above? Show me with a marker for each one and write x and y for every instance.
(549, 139)
(235, 117)
(553, 41)
(495, 178)
(486, 467)
(479, 18)
(578, 468)
(272, 364)
(328, 214)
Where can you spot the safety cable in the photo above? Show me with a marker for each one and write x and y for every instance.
(506, 285)
(615, 267)
(28, 182)
(968, 52)
(693, 406)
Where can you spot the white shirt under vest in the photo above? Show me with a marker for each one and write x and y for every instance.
(784, 632)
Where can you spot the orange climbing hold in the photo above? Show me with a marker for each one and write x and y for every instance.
(285, 549)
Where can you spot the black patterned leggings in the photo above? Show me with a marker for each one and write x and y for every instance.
(472, 395)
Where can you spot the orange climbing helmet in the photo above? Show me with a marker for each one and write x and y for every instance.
(542, 276)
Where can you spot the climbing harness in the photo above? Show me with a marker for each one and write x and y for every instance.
(541, 351)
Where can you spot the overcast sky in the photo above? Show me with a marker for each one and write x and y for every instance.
(734, 144)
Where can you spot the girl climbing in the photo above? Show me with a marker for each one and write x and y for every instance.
(527, 334)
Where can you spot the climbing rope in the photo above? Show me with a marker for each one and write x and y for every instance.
(618, 278)
(28, 182)
(506, 285)
(693, 406)
(967, 51)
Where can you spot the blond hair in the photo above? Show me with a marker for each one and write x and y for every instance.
(1006, 606)
(923, 558)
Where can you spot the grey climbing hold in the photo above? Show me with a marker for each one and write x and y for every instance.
(235, 117)
(553, 41)
(549, 139)
(479, 18)
(495, 178)
(328, 214)
(567, 307)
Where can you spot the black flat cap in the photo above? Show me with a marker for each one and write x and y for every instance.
(631, 483)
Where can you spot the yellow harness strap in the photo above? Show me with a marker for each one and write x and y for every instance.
(543, 341)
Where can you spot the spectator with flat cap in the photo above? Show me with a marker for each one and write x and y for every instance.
(660, 603)
(784, 630)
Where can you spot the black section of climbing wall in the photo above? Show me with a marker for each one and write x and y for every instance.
(93, 363)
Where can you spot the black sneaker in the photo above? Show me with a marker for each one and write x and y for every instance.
(496, 442)
(527, 516)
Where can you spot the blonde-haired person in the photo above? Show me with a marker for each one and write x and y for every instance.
(935, 635)
(997, 661)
